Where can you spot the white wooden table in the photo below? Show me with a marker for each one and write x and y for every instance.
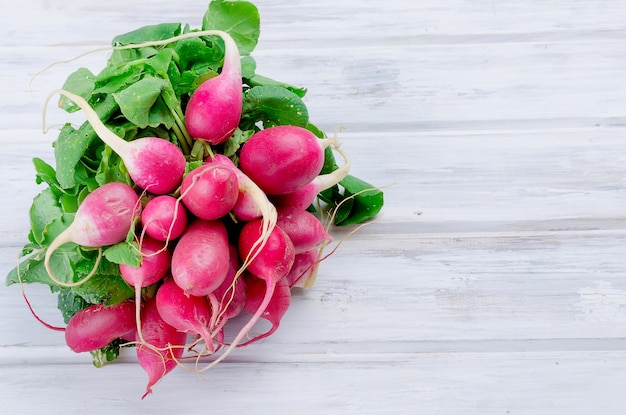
(494, 282)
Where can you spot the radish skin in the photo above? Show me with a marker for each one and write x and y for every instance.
(154, 164)
(161, 345)
(231, 294)
(304, 267)
(187, 313)
(95, 326)
(283, 159)
(304, 229)
(210, 191)
(164, 218)
(276, 308)
(103, 218)
(272, 263)
(214, 108)
(305, 196)
(200, 258)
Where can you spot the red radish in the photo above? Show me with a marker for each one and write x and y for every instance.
(304, 267)
(282, 159)
(200, 258)
(252, 203)
(159, 345)
(187, 313)
(276, 308)
(154, 164)
(272, 263)
(304, 229)
(103, 218)
(210, 191)
(155, 264)
(95, 326)
(305, 196)
(231, 294)
(164, 218)
(214, 108)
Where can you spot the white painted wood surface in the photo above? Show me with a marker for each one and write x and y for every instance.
(492, 283)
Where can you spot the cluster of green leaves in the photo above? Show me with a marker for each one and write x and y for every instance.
(142, 91)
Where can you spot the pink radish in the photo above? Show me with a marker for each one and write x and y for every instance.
(214, 108)
(252, 202)
(95, 326)
(283, 159)
(276, 308)
(304, 229)
(187, 313)
(103, 218)
(154, 164)
(305, 196)
(210, 191)
(164, 218)
(200, 258)
(272, 263)
(304, 267)
(154, 265)
(231, 294)
(159, 345)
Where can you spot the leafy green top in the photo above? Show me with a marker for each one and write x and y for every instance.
(143, 92)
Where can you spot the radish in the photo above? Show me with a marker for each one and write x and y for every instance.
(271, 262)
(164, 218)
(304, 267)
(304, 229)
(210, 191)
(200, 258)
(154, 164)
(95, 326)
(252, 203)
(276, 308)
(214, 108)
(161, 345)
(283, 159)
(155, 263)
(187, 313)
(305, 196)
(231, 294)
(103, 218)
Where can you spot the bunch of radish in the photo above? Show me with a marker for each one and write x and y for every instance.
(222, 241)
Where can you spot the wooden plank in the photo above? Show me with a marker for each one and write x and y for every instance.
(442, 383)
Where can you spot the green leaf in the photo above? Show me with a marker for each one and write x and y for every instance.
(104, 289)
(32, 269)
(123, 253)
(137, 100)
(248, 67)
(82, 83)
(273, 105)
(107, 354)
(112, 169)
(69, 148)
(69, 303)
(115, 78)
(260, 80)
(192, 165)
(198, 55)
(148, 33)
(240, 19)
(239, 137)
(367, 201)
(46, 218)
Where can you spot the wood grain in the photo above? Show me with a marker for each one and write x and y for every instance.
(493, 281)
